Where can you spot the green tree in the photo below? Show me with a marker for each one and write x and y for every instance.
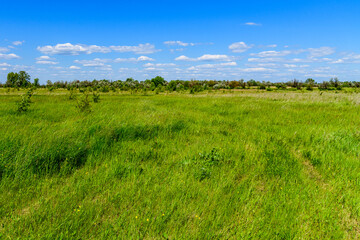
(24, 79)
(36, 82)
(12, 79)
(158, 81)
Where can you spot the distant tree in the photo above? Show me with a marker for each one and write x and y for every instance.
(49, 84)
(310, 81)
(23, 79)
(158, 81)
(12, 79)
(36, 82)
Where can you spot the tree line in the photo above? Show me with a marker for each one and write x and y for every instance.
(22, 80)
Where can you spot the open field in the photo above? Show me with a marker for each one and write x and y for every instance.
(236, 165)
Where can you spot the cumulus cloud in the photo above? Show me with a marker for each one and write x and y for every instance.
(348, 58)
(239, 47)
(205, 57)
(271, 46)
(227, 64)
(8, 56)
(259, 69)
(45, 62)
(97, 62)
(139, 59)
(41, 58)
(3, 50)
(183, 58)
(160, 65)
(252, 24)
(178, 43)
(18, 43)
(74, 67)
(271, 53)
(320, 52)
(146, 48)
(70, 49)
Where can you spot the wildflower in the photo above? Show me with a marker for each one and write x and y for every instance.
(136, 217)
(147, 219)
(163, 214)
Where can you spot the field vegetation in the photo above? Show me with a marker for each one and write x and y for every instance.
(93, 161)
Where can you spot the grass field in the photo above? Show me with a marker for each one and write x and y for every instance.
(243, 165)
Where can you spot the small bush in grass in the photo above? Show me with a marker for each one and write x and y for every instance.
(72, 94)
(96, 97)
(83, 103)
(206, 162)
(24, 104)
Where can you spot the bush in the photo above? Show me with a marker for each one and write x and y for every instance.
(96, 97)
(83, 103)
(24, 104)
(262, 86)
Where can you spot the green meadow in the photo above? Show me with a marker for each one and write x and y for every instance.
(247, 164)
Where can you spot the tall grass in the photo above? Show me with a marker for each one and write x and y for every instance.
(261, 165)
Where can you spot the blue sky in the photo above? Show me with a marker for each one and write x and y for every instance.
(223, 40)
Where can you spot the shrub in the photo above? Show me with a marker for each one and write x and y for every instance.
(96, 97)
(24, 104)
(83, 103)
(262, 86)
(206, 162)
(72, 94)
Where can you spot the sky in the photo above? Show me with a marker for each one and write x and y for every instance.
(218, 40)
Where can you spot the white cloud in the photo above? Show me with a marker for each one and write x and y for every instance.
(227, 64)
(146, 48)
(320, 52)
(271, 53)
(239, 47)
(46, 62)
(211, 57)
(253, 24)
(43, 58)
(4, 65)
(8, 56)
(272, 46)
(259, 69)
(139, 59)
(18, 43)
(205, 57)
(3, 49)
(183, 58)
(70, 49)
(160, 65)
(178, 43)
(74, 67)
(97, 62)
(349, 58)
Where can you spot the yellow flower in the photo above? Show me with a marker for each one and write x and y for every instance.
(147, 219)
(135, 216)
(163, 214)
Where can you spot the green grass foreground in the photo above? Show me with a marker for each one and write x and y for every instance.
(240, 165)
